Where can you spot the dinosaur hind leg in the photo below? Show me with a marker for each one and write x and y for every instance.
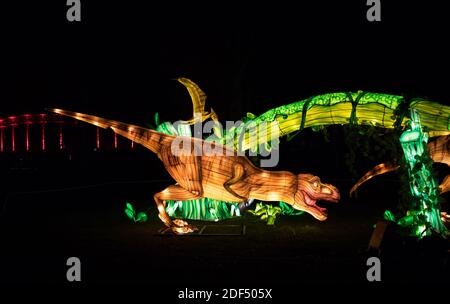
(237, 174)
(175, 193)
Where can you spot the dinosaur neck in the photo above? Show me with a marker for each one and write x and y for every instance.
(273, 186)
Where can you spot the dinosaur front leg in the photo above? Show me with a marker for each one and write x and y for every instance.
(175, 193)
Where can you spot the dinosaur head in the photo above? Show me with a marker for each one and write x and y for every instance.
(309, 190)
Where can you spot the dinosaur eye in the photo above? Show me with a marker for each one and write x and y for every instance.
(315, 184)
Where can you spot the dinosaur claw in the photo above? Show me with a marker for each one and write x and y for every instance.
(183, 230)
(180, 223)
(182, 227)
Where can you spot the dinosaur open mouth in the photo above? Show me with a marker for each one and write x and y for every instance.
(313, 203)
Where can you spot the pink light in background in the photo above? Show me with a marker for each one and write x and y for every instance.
(27, 141)
(43, 138)
(98, 138)
(13, 139)
(115, 140)
(60, 138)
(1, 140)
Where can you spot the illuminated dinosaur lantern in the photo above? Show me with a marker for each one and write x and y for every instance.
(223, 175)
(341, 108)
(355, 108)
(359, 108)
(439, 151)
(198, 98)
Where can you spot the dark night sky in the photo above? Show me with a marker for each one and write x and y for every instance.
(119, 61)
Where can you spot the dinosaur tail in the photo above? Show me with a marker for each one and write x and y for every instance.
(445, 185)
(439, 150)
(148, 138)
(377, 170)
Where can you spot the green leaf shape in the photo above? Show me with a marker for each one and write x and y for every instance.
(129, 207)
(266, 212)
(141, 217)
(129, 213)
(388, 216)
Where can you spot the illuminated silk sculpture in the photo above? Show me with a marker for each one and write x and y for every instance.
(424, 216)
(213, 180)
(354, 108)
(223, 175)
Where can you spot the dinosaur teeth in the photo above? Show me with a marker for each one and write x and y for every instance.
(321, 209)
(313, 203)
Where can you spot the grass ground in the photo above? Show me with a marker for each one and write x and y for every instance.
(41, 230)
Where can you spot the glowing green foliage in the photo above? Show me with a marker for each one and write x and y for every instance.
(141, 217)
(131, 213)
(410, 136)
(361, 108)
(411, 218)
(266, 212)
(205, 209)
(388, 216)
(424, 215)
(287, 209)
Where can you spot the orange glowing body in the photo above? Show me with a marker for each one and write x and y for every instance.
(222, 175)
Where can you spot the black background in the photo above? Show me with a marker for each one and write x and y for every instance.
(119, 62)
(247, 57)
